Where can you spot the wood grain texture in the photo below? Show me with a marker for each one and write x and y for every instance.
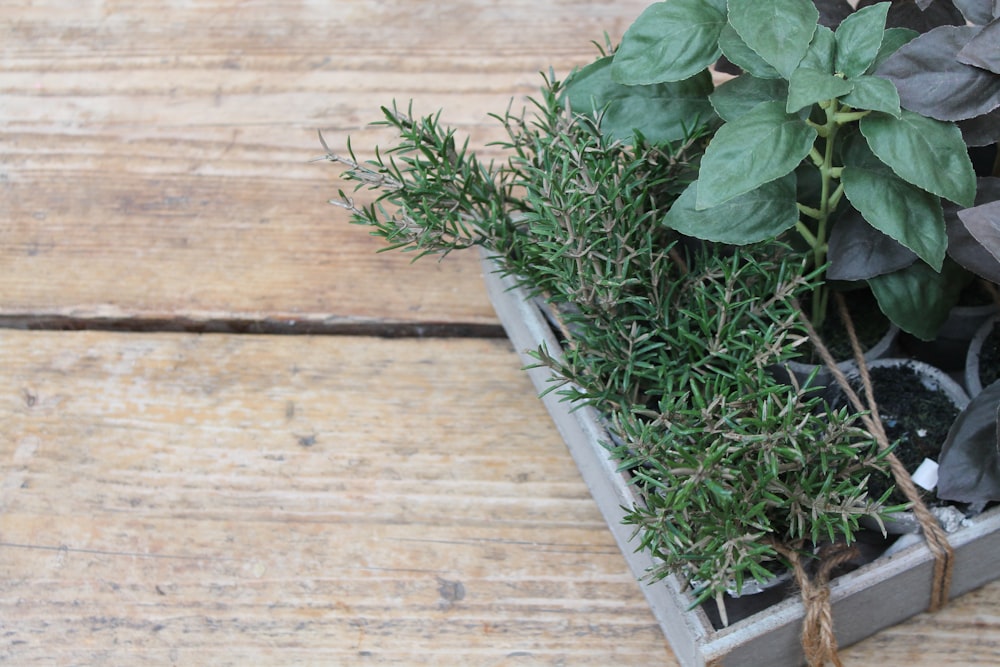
(275, 500)
(176, 499)
(237, 500)
(155, 157)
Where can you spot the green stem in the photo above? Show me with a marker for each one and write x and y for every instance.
(830, 195)
(850, 117)
(837, 194)
(806, 234)
(813, 213)
(816, 157)
(820, 130)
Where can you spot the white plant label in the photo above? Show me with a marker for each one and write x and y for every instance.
(926, 475)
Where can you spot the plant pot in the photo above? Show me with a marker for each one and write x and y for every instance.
(879, 349)
(921, 378)
(973, 375)
(949, 350)
(874, 596)
(824, 377)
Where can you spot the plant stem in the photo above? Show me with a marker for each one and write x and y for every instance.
(830, 195)
(813, 213)
(850, 116)
(831, 191)
(806, 234)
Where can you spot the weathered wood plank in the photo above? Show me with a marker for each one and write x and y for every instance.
(292, 500)
(301, 500)
(155, 157)
(296, 500)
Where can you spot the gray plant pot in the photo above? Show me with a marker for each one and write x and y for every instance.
(937, 380)
(883, 348)
(973, 383)
(948, 350)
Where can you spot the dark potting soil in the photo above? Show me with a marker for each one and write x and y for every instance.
(915, 418)
(989, 358)
(975, 294)
(870, 325)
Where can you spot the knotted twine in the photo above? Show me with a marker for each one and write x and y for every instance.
(819, 644)
(818, 640)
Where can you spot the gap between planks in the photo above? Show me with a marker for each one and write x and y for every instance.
(290, 326)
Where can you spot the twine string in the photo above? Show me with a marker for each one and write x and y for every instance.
(937, 540)
(935, 536)
(819, 643)
(818, 640)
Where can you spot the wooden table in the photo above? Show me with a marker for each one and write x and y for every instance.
(232, 433)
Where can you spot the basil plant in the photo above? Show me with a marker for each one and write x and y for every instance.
(841, 131)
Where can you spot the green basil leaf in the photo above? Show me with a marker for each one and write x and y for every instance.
(892, 40)
(917, 298)
(758, 147)
(898, 209)
(874, 94)
(859, 38)
(822, 52)
(758, 215)
(670, 41)
(926, 152)
(661, 112)
(741, 55)
(779, 31)
(807, 86)
(737, 96)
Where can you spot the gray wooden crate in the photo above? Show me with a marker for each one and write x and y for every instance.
(875, 596)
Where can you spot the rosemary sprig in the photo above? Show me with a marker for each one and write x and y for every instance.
(673, 341)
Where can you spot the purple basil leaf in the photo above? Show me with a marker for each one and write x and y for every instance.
(725, 67)
(964, 249)
(932, 82)
(970, 458)
(983, 50)
(967, 252)
(983, 222)
(978, 12)
(981, 130)
(909, 15)
(858, 251)
(832, 12)
(973, 249)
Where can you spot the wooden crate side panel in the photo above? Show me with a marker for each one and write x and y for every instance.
(865, 601)
(876, 596)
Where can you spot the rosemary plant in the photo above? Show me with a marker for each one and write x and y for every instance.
(673, 340)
